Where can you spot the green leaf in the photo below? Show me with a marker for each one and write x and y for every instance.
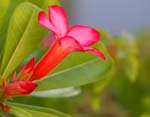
(7, 7)
(24, 35)
(19, 112)
(2, 114)
(3, 8)
(57, 93)
(44, 3)
(40, 114)
(41, 111)
(76, 70)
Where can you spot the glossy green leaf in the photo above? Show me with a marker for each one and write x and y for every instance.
(44, 3)
(76, 70)
(40, 114)
(3, 8)
(6, 7)
(23, 28)
(24, 35)
(5, 115)
(57, 93)
(41, 111)
(19, 112)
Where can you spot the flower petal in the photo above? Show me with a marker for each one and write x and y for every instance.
(29, 66)
(26, 72)
(19, 88)
(58, 19)
(85, 35)
(70, 42)
(54, 56)
(95, 52)
(45, 22)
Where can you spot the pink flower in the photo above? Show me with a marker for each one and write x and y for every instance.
(67, 40)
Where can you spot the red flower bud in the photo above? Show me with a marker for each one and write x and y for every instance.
(18, 88)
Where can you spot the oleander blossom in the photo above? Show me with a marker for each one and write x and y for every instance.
(67, 40)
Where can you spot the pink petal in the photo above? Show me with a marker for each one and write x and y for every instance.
(59, 20)
(95, 52)
(70, 42)
(45, 22)
(85, 35)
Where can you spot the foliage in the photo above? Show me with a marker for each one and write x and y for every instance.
(81, 80)
(21, 37)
